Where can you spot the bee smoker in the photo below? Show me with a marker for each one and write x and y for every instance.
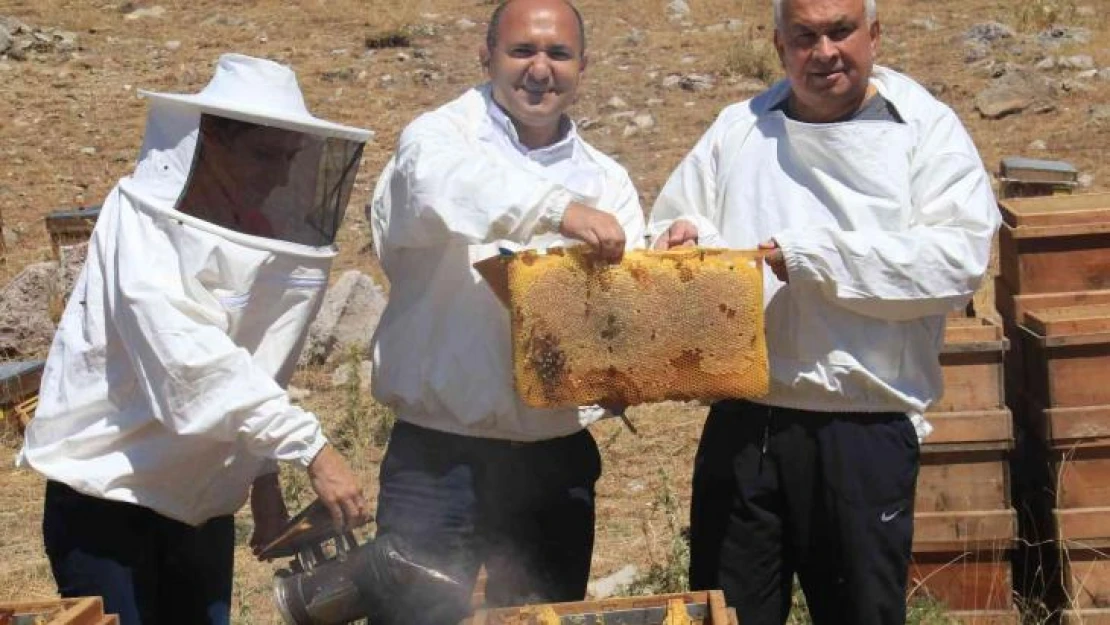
(331, 579)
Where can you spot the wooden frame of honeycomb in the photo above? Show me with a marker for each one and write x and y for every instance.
(684, 324)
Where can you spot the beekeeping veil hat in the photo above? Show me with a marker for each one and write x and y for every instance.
(263, 165)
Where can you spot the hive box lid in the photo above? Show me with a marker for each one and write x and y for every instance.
(1035, 170)
(1073, 322)
(1083, 209)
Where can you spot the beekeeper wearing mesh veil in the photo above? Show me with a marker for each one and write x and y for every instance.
(163, 399)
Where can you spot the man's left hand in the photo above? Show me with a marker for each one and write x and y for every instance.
(775, 260)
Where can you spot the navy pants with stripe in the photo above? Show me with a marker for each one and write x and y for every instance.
(824, 496)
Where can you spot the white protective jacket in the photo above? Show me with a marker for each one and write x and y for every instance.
(885, 228)
(454, 192)
(164, 384)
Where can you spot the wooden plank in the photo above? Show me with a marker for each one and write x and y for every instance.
(963, 580)
(971, 330)
(1083, 208)
(1096, 616)
(979, 530)
(1083, 527)
(973, 381)
(1067, 428)
(986, 617)
(970, 430)
(1013, 306)
(1086, 583)
(962, 481)
(1048, 260)
(1069, 320)
(76, 611)
(714, 599)
(971, 363)
(1083, 479)
(1067, 370)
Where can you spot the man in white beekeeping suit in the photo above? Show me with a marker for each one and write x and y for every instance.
(876, 216)
(163, 401)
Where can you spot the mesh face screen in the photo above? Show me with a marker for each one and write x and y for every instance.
(676, 325)
(270, 182)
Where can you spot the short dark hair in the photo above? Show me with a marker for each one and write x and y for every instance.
(495, 24)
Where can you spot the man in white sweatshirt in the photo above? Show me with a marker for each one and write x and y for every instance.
(876, 216)
(472, 475)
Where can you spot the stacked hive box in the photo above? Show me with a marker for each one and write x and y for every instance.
(1054, 297)
(964, 525)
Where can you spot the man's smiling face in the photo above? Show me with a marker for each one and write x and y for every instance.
(536, 65)
(827, 48)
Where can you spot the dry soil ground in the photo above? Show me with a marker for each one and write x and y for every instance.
(71, 123)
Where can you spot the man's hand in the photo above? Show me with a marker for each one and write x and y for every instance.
(338, 489)
(596, 228)
(681, 234)
(775, 260)
(268, 510)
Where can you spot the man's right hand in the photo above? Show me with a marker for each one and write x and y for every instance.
(596, 228)
(681, 233)
(338, 489)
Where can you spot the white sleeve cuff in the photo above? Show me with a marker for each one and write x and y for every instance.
(313, 449)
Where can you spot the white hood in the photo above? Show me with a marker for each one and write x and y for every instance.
(164, 385)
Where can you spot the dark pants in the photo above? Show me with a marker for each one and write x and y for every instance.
(524, 510)
(149, 569)
(824, 496)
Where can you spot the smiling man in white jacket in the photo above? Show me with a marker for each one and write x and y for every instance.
(877, 216)
(472, 475)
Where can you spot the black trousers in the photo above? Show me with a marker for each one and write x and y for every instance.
(524, 510)
(150, 569)
(824, 496)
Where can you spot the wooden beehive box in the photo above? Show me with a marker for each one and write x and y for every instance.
(975, 585)
(80, 611)
(1027, 177)
(1055, 244)
(1084, 563)
(1067, 355)
(700, 607)
(964, 462)
(70, 227)
(971, 363)
(19, 380)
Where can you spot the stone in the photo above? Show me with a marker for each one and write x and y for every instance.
(1037, 145)
(1045, 64)
(1086, 181)
(925, 23)
(173, 44)
(341, 377)
(988, 32)
(613, 583)
(26, 326)
(1078, 61)
(644, 121)
(297, 394)
(678, 10)
(1057, 36)
(464, 24)
(1099, 112)
(145, 12)
(347, 318)
(614, 103)
(1104, 73)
